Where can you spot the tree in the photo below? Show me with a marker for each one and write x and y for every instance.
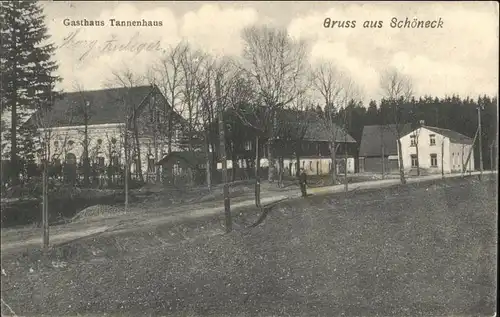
(43, 121)
(294, 123)
(127, 80)
(336, 90)
(276, 64)
(397, 89)
(26, 67)
(207, 84)
(83, 109)
(168, 76)
(251, 117)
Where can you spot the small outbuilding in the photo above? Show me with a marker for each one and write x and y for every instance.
(183, 168)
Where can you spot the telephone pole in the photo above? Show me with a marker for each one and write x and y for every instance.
(479, 108)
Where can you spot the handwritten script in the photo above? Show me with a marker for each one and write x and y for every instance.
(91, 48)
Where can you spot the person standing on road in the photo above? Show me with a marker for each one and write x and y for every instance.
(303, 182)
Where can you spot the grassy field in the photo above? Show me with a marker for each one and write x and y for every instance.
(417, 250)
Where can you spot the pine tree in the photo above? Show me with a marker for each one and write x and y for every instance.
(27, 71)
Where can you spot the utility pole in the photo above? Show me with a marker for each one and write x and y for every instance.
(479, 108)
(492, 163)
(383, 151)
(442, 158)
(222, 139)
(470, 152)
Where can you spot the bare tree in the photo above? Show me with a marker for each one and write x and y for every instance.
(167, 74)
(243, 102)
(336, 90)
(191, 65)
(294, 123)
(397, 89)
(44, 121)
(127, 79)
(276, 64)
(206, 84)
(83, 109)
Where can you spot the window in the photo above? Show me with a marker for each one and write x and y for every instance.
(434, 160)
(113, 140)
(100, 161)
(310, 165)
(70, 143)
(412, 140)
(99, 141)
(56, 144)
(248, 145)
(432, 139)
(414, 160)
(151, 164)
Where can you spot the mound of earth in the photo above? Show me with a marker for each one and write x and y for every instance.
(98, 210)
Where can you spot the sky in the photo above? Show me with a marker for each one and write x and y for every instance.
(459, 58)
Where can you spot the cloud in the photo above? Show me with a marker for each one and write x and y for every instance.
(88, 57)
(365, 76)
(217, 30)
(462, 57)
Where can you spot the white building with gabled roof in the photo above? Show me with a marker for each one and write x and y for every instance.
(437, 150)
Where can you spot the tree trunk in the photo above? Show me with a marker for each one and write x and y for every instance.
(207, 167)
(156, 168)
(271, 161)
(138, 151)
(442, 159)
(401, 167)
(126, 172)
(235, 167)
(86, 163)
(383, 154)
(333, 155)
(418, 157)
(248, 163)
(280, 175)
(346, 181)
(45, 208)
(257, 170)
(462, 161)
(222, 140)
(14, 161)
(297, 162)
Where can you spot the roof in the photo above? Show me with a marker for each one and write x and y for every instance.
(107, 105)
(316, 131)
(374, 135)
(193, 158)
(454, 136)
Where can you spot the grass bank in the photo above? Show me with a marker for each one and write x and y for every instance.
(416, 250)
